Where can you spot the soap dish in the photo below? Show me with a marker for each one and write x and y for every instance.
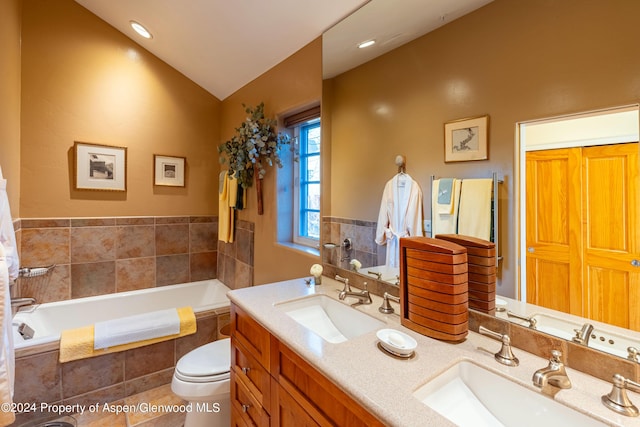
(396, 342)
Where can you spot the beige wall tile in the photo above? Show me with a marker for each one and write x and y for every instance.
(172, 239)
(135, 241)
(92, 244)
(85, 375)
(172, 269)
(135, 273)
(96, 278)
(44, 246)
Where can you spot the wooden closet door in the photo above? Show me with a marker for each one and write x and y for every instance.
(611, 234)
(553, 237)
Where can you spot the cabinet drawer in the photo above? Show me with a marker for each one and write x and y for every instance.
(251, 335)
(246, 405)
(250, 373)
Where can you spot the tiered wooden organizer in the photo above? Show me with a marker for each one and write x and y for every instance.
(434, 288)
(481, 255)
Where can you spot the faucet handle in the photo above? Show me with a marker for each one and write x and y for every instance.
(556, 357)
(347, 287)
(632, 354)
(617, 399)
(505, 355)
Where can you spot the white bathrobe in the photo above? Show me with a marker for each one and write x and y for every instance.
(8, 272)
(400, 215)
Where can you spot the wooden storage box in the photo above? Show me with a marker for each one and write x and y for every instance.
(434, 288)
(481, 256)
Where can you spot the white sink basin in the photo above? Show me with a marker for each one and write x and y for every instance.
(332, 320)
(470, 395)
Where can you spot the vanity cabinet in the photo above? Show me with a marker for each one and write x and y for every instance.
(271, 385)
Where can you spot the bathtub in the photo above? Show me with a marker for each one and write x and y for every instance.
(48, 320)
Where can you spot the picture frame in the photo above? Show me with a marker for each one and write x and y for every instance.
(99, 167)
(169, 170)
(466, 139)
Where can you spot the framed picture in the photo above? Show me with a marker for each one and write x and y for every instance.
(100, 167)
(466, 139)
(168, 170)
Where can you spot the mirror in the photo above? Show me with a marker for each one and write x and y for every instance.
(490, 61)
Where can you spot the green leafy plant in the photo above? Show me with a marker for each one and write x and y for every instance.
(255, 144)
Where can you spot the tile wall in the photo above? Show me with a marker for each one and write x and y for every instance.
(362, 235)
(235, 260)
(99, 256)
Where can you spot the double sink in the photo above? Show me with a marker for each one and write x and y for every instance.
(466, 393)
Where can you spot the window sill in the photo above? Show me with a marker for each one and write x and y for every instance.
(301, 248)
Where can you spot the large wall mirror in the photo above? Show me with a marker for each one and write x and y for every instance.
(515, 63)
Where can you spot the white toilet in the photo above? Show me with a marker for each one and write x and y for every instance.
(201, 378)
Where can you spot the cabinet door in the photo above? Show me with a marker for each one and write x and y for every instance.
(314, 393)
(611, 233)
(553, 221)
(287, 412)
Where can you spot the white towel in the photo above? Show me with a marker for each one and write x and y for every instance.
(9, 265)
(140, 327)
(474, 218)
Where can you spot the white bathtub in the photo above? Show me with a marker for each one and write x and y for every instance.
(48, 320)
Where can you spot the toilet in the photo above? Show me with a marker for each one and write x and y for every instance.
(202, 379)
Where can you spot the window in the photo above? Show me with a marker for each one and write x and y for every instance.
(306, 212)
(299, 183)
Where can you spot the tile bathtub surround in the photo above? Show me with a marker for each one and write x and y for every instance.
(96, 256)
(235, 260)
(110, 377)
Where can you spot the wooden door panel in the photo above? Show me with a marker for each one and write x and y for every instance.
(608, 291)
(553, 223)
(550, 281)
(611, 234)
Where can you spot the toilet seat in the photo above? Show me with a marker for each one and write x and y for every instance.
(209, 363)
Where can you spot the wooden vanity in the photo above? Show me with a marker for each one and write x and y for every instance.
(271, 385)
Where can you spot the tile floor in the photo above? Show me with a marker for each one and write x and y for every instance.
(157, 398)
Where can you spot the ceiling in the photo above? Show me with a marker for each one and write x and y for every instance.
(222, 45)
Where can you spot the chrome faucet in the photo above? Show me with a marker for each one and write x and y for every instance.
(505, 355)
(375, 273)
(347, 287)
(582, 335)
(553, 377)
(532, 320)
(16, 303)
(617, 400)
(363, 296)
(386, 307)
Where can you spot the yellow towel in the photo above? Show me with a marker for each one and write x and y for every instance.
(474, 218)
(78, 343)
(225, 211)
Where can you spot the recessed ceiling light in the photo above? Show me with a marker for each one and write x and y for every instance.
(366, 44)
(140, 30)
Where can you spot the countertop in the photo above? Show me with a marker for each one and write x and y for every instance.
(384, 385)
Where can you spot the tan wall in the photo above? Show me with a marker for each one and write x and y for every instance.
(10, 11)
(295, 82)
(82, 80)
(514, 61)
